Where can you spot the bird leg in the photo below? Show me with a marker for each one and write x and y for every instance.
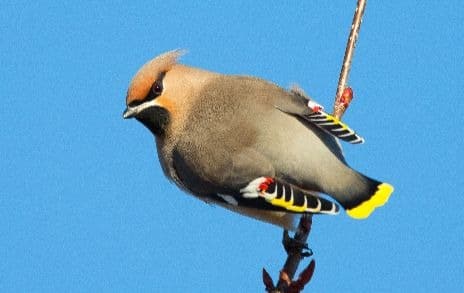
(296, 248)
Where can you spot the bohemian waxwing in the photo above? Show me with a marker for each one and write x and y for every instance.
(247, 144)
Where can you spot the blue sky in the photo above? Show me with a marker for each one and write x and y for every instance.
(84, 205)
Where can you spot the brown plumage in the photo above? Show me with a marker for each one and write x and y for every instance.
(216, 134)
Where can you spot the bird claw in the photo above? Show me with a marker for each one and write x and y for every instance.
(307, 253)
(293, 246)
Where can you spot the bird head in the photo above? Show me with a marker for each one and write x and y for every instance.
(156, 91)
(148, 98)
(162, 92)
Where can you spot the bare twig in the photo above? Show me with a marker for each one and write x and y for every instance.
(340, 106)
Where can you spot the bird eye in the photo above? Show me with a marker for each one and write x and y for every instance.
(156, 88)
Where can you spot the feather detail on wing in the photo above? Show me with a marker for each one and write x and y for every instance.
(298, 103)
(334, 126)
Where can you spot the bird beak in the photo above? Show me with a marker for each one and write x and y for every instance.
(129, 113)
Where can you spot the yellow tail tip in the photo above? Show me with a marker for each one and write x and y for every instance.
(379, 198)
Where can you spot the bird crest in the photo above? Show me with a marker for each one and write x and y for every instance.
(144, 78)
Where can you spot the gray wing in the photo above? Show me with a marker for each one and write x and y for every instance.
(295, 104)
(219, 170)
(221, 182)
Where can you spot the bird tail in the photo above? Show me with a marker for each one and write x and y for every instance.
(363, 195)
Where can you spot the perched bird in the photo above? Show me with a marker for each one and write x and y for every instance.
(247, 144)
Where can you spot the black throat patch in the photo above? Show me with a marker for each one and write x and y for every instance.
(156, 119)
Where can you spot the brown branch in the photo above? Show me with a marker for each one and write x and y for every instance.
(340, 105)
(296, 246)
(296, 249)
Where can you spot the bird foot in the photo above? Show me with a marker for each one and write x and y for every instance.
(294, 246)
